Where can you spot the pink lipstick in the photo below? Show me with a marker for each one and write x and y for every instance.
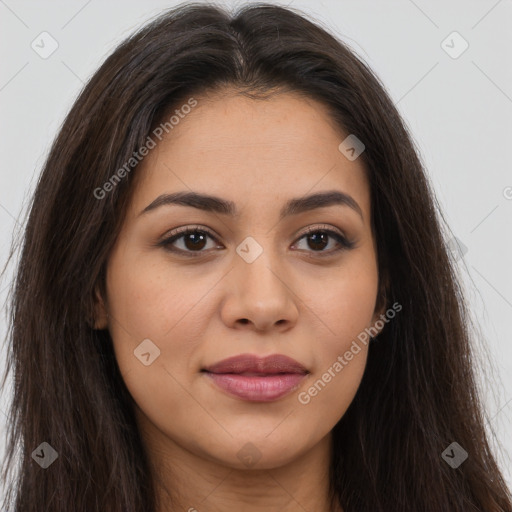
(256, 379)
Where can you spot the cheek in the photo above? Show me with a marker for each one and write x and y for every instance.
(327, 396)
(153, 312)
(154, 302)
(344, 308)
(344, 304)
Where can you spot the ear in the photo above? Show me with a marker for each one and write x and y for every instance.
(100, 320)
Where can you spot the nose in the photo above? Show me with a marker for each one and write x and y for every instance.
(260, 295)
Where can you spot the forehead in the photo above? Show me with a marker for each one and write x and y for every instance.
(251, 151)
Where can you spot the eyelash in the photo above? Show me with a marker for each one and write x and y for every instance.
(166, 243)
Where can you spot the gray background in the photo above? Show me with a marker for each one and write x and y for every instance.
(459, 111)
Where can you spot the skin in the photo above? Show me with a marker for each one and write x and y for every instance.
(258, 154)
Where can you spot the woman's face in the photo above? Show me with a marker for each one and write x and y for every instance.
(249, 282)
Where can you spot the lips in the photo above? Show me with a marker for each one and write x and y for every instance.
(257, 379)
(249, 363)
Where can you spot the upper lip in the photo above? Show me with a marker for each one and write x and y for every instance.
(276, 363)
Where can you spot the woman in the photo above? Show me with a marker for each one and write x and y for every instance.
(234, 293)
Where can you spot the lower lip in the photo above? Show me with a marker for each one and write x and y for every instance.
(257, 389)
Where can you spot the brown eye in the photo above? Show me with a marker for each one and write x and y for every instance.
(192, 239)
(318, 239)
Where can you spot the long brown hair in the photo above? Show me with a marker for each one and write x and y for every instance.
(419, 392)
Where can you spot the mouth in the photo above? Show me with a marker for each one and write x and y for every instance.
(255, 379)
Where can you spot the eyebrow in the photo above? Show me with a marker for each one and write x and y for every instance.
(215, 204)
